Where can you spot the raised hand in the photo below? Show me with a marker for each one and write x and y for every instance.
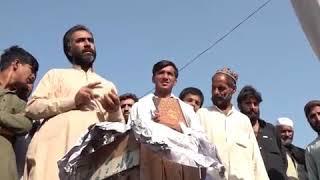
(111, 102)
(85, 94)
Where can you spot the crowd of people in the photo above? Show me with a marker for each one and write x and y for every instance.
(36, 132)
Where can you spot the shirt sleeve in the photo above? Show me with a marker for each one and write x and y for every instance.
(193, 119)
(15, 123)
(116, 116)
(43, 103)
(311, 166)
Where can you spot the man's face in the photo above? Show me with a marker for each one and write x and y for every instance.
(165, 79)
(250, 107)
(286, 134)
(126, 105)
(23, 79)
(221, 91)
(314, 118)
(193, 100)
(82, 48)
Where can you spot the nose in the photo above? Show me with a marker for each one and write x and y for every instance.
(192, 103)
(287, 133)
(215, 91)
(252, 106)
(87, 43)
(126, 107)
(166, 75)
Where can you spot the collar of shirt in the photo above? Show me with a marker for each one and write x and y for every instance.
(171, 95)
(6, 91)
(229, 113)
(78, 67)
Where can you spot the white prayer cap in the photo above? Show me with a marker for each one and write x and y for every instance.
(284, 121)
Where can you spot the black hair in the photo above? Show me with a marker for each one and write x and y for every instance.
(17, 53)
(128, 96)
(309, 106)
(164, 63)
(248, 91)
(67, 38)
(194, 91)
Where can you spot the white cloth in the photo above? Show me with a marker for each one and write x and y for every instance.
(189, 150)
(235, 141)
(186, 149)
(308, 13)
(145, 108)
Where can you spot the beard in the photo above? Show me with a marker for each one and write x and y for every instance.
(253, 116)
(222, 102)
(286, 142)
(316, 128)
(86, 57)
(23, 93)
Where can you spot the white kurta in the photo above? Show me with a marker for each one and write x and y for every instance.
(145, 108)
(53, 100)
(157, 167)
(235, 141)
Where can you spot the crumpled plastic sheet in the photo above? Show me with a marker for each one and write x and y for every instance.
(190, 148)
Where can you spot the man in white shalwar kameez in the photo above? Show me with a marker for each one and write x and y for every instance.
(164, 77)
(69, 101)
(231, 131)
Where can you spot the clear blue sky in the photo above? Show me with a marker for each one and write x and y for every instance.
(269, 51)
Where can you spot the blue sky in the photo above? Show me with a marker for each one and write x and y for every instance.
(269, 51)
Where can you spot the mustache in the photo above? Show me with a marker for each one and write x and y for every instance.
(223, 98)
(88, 50)
(253, 113)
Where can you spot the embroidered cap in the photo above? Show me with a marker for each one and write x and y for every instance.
(227, 71)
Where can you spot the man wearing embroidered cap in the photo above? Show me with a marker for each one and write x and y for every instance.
(231, 131)
(296, 168)
(269, 141)
(312, 112)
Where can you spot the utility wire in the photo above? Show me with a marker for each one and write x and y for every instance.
(220, 39)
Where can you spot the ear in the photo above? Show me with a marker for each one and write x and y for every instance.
(69, 53)
(175, 82)
(153, 79)
(15, 64)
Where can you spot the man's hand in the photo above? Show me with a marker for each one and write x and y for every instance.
(155, 115)
(85, 94)
(111, 102)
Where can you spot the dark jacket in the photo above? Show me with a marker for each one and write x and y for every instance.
(272, 151)
(297, 154)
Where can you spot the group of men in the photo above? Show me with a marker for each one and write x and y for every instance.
(67, 101)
